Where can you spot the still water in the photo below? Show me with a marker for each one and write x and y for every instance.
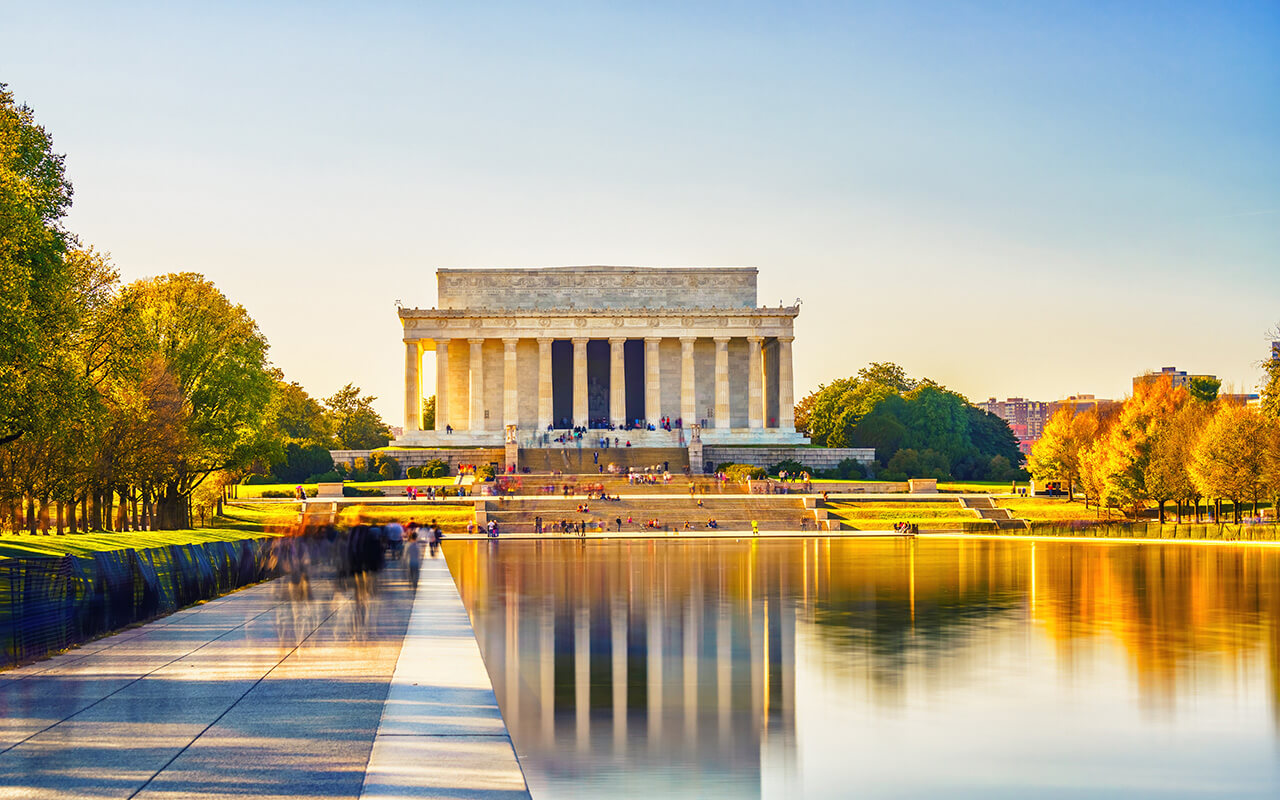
(826, 668)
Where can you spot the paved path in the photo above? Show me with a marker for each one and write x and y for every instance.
(442, 734)
(252, 695)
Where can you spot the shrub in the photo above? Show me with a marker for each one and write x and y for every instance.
(256, 480)
(850, 469)
(790, 466)
(272, 493)
(414, 473)
(436, 468)
(484, 472)
(743, 472)
(354, 491)
(332, 476)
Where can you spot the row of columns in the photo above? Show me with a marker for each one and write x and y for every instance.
(617, 382)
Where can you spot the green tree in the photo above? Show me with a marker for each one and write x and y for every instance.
(1271, 379)
(299, 417)
(355, 425)
(1203, 388)
(429, 413)
(35, 284)
(218, 360)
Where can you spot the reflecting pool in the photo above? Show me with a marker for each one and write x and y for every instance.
(824, 668)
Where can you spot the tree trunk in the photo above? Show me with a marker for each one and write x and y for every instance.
(31, 516)
(58, 509)
(170, 508)
(1160, 506)
(71, 515)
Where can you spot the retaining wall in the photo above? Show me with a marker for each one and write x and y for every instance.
(811, 457)
(418, 457)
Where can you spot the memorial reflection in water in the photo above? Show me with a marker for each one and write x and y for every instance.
(814, 667)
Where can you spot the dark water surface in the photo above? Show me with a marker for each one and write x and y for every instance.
(817, 668)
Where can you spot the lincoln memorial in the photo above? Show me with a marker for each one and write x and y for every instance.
(654, 354)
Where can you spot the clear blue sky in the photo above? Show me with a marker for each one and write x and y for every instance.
(1030, 199)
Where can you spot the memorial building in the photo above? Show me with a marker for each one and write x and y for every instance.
(657, 356)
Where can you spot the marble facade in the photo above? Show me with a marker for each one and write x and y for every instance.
(599, 346)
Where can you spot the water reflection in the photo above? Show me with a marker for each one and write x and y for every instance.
(826, 668)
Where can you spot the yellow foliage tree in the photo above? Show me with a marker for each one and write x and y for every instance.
(1228, 461)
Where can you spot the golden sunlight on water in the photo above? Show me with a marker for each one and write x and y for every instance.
(839, 667)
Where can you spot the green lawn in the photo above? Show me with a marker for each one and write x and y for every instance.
(975, 487)
(14, 545)
(880, 515)
(239, 522)
(1046, 509)
(452, 517)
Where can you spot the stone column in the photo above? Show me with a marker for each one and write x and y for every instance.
(617, 383)
(688, 392)
(442, 384)
(580, 383)
(652, 381)
(722, 382)
(510, 398)
(755, 382)
(477, 384)
(545, 409)
(786, 387)
(412, 388)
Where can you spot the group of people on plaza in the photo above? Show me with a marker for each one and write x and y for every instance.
(352, 556)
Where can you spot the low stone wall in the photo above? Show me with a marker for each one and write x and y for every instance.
(811, 457)
(418, 457)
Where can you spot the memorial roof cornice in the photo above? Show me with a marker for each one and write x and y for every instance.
(430, 313)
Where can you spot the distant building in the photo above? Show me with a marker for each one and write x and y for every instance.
(1176, 376)
(1026, 418)
(1081, 402)
(1275, 351)
(1249, 399)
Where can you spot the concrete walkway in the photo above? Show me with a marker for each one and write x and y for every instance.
(257, 694)
(442, 734)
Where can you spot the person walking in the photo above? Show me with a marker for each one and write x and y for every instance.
(755, 528)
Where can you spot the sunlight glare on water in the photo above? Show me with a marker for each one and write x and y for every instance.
(825, 668)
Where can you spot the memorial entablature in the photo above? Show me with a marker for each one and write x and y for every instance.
(625, 349)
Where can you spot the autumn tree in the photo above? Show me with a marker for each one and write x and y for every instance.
(1228, 461)
(1167, 474)
(1125, 454)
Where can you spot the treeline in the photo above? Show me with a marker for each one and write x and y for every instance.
(118, 404)
(919, 428)
(1167, 445)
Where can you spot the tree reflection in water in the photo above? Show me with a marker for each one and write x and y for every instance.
(671, 668)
